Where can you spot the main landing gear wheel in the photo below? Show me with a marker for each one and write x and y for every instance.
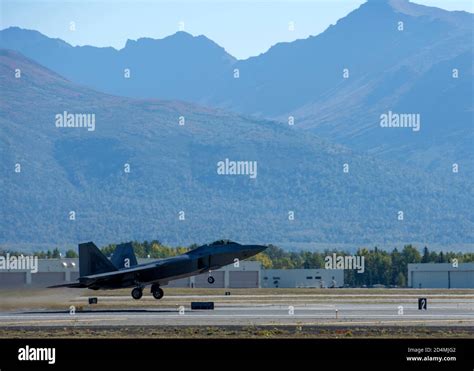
(137, 293)
(211, 280)
(157, 292)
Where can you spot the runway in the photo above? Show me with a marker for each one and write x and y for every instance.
(242, 310)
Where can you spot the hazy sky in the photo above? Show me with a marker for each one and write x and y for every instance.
(243, 27)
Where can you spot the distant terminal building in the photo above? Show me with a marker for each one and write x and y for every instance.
(248, 274)
(441, 275)
(49, 271)
(316, 278)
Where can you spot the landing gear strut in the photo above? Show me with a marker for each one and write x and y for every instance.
(157, 292)
(137, 293)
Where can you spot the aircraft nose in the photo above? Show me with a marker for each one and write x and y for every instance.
(257, 249)
(246, 251)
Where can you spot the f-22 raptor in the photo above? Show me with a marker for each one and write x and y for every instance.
(97, 272)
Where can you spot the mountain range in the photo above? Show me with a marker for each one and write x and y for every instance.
(182, 111)
(387, 55)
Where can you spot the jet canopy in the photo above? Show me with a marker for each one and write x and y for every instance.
(223, 242)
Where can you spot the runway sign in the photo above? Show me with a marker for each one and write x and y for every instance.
(92, 300)
(202, 305)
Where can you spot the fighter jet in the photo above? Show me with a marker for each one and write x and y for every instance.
(97, 272)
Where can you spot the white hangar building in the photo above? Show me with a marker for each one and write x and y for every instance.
(441, 275)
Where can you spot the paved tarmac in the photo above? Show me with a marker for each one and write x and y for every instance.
(255, 310)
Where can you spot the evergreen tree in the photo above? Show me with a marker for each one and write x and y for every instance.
(441, 258)
(56, 254)
(401, 280)
(71, 254)
(426, 255)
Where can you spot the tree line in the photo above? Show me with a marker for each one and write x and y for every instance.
(389, 268)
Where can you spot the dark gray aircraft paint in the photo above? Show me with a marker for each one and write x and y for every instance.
(123, 256)
(97, 272)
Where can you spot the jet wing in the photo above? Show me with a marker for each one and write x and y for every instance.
(135, 269)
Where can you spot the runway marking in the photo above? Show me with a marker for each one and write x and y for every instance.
(394, 316)
(92, 317)
(334, 307)
(162, 312)
(448, 296)
(263, 301)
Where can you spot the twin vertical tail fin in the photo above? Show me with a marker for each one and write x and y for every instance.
(123, 256)
(92, 261)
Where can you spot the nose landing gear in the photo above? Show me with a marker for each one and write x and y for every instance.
(210, 279)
